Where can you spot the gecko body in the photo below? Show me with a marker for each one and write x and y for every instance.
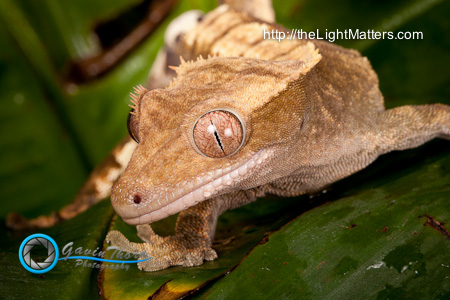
(246, 117)
(243, 117)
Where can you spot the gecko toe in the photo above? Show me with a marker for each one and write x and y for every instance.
(210, 254)
(115, 238)
(146, 234)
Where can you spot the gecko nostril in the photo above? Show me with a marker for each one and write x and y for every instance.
(137, 199)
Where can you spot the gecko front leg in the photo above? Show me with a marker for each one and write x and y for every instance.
(194, 235)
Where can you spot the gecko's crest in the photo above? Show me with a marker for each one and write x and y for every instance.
(133, 117)
(139, 91)
(178, 69)
(308, 52)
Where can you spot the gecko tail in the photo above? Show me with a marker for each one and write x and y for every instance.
(96, 188)
(261, 9)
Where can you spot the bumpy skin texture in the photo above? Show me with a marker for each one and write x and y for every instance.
(98, 186)
(312, 114)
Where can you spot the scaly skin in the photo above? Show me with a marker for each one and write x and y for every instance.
(312, 115)
(312, 111)
(98, 186)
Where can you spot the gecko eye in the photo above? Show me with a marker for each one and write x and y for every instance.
(133, 126)
(218, 133)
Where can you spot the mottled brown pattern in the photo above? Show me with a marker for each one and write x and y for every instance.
(313, 114)
(261, 9)
(314, 106)
(96, 188)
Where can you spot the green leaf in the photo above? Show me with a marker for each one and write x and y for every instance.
(37, 151)
(66, 280)
(237, 233)
(371, 244)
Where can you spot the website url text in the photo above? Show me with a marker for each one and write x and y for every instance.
(347, 34)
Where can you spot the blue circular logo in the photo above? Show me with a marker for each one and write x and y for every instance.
(25, 255)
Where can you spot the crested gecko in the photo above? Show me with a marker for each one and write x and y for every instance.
(245, 117)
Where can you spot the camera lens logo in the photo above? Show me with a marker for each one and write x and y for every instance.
(38, 240)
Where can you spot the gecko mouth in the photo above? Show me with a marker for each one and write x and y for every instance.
(203, 192)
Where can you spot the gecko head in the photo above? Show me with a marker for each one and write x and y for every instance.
(222, 125)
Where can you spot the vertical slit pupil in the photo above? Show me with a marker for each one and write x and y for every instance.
(217, 137)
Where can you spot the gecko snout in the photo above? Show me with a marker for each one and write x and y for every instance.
(131, 202)
(128, 200)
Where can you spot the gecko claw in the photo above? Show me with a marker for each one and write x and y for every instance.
(165, 251)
